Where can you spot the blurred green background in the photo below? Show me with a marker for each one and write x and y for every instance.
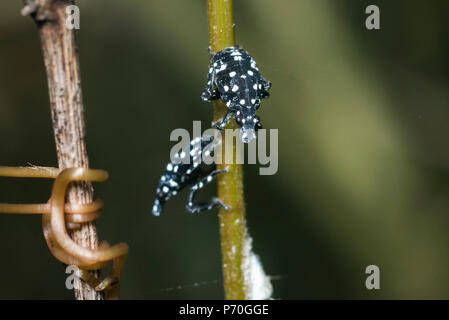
(363, 159)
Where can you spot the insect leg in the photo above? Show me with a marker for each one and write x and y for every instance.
(210, 93)
(215, 94)
(209, 49)
(264, 94)
(215, 202)
(220, 124)
(265, 84)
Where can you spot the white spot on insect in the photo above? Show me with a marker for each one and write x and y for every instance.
(174, 192)
(165, 189)
(169, 167)
(260, 86)
(183, 154)
(254, 66)
(211, 69)
(242, 102)
(235, 88)
(222, 67)
(228, 103)
(243, 76)
(255, 120)
(232, 74)
(255, 86)
(215, 64)
(207, 153)
(173, 183)
(248, 117)
(209, 178)
(253, 101)
(243, 121)
(194, 151)
(250, 73)
(237, 58)
(163, 178)
(236, 53)
(175, 169)
(226, 88)
(238, 112)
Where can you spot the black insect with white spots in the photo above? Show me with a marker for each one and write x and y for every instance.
(234, 77)
(196, 174)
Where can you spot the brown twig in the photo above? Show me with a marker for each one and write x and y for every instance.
(64, 84)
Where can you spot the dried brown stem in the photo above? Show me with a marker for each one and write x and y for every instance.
(64, 84)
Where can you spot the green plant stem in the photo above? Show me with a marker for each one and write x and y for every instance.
(230, 186)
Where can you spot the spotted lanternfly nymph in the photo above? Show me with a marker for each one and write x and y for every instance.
(234, 77)
(196, 173)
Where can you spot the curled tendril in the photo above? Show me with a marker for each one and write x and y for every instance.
(57, 215)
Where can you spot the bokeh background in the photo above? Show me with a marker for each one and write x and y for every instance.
(363, 155)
